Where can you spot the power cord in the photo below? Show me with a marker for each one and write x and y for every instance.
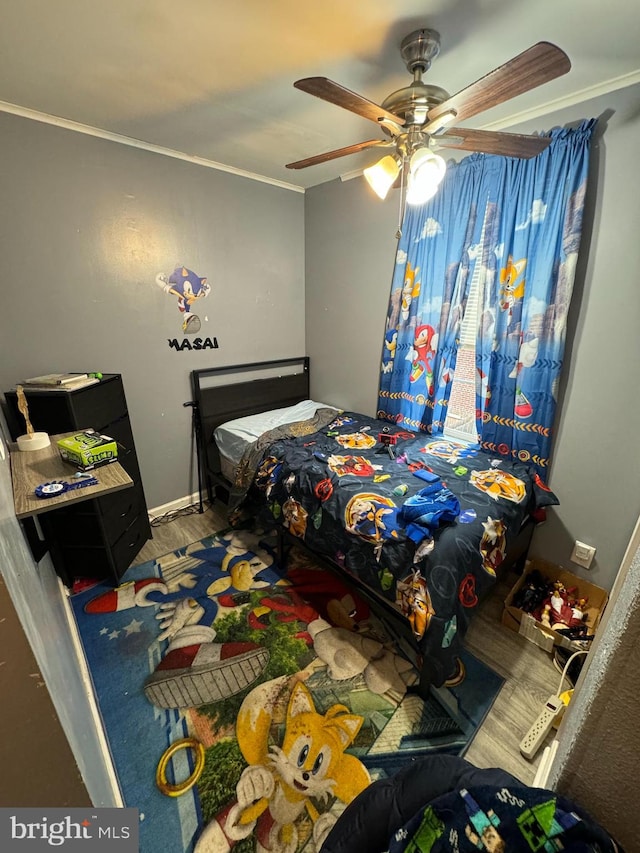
(566, 668)
(192, 509)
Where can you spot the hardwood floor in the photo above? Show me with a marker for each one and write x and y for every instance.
(530, 676)
(183, 531)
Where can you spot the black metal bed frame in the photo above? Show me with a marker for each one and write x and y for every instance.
(288, 384)
(216, 404)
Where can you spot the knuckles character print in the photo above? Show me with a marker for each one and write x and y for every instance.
(425, 346)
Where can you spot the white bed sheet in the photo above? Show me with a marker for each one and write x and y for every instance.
(233, 437)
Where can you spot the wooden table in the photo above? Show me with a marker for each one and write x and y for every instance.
(30, 468)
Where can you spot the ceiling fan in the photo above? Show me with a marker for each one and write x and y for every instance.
(417, 118)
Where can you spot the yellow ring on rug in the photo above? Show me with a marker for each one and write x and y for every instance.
(458, 676)
(166, 787)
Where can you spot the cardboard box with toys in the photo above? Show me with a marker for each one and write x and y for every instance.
(551, 606)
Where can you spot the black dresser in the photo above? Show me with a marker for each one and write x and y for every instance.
(97, 538)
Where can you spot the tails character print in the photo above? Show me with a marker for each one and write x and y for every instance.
(280, 783)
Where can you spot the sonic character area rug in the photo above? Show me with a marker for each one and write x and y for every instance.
(245, 705)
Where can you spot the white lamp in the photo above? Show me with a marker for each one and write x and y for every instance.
(426, 171)
(381, 175)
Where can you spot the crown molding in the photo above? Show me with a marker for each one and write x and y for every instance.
(89, 130)
(570, 100)
(578, 97)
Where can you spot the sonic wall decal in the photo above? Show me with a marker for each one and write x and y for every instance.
(188, 288)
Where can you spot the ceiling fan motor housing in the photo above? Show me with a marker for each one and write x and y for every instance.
(413, 102)
(419, 49)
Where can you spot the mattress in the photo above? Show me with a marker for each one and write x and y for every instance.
(233, 437)
(228, 469)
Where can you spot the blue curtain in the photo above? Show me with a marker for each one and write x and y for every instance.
(512, 227)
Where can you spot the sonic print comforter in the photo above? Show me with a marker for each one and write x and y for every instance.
(423, 521)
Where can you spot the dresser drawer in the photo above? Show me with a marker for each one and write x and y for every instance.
(120, 431)
(126, 549)
(84, 560)
(99, 405)
(102, 520)
(119, 509)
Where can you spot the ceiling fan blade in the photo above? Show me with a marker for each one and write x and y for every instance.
(334, 93)
(491, 142)
(539, 64)
(339, 152)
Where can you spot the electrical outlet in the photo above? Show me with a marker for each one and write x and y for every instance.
(582, 554)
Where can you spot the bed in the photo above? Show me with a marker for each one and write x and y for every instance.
(422, 526)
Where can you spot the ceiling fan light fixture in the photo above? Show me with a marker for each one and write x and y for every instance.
(426, 171)
(382, 175)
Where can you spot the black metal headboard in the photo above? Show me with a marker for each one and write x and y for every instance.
(235, 391)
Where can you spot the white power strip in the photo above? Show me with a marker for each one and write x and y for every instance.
(538, 732)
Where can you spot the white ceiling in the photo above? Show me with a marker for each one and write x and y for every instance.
(213, 78)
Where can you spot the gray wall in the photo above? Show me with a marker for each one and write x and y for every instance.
(598, 745)
(85, 225)
(350, 247)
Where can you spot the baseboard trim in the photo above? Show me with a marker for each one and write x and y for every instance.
(544, 768)
(173, 506)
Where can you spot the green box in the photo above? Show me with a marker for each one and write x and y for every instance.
(88, 449)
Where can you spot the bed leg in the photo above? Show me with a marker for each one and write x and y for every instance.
(516, 558)
(520, 563)
(423, 687)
